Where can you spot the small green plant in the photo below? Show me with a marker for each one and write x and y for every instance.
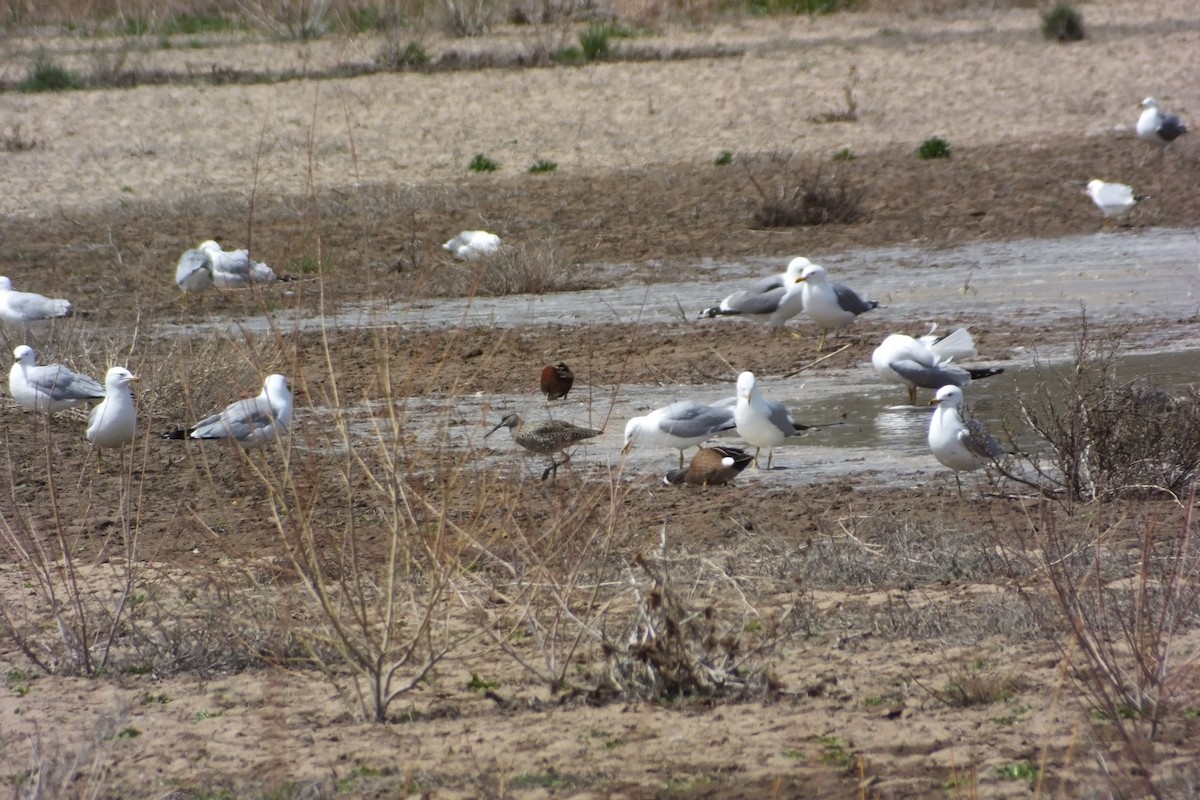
(724, 158)
(129, 733)
(834, 751)
(412, 56)
(1020, 771)
(570, 56)
(933, 147)
(845, 154)
(543, 165)
(478, 684)
(594, 42)
(1062, 23)
(481, 163)
(46, 76)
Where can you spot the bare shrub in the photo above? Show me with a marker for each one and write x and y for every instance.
(468, 17)
(1108, 436)
(812, 195)
(15, 142)
(54, 769)
(1129, 614)
(675, 648)
(293, 19)
(849, 111)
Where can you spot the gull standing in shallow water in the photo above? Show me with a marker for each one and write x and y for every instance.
(680, 425)
(21, 308)
(112, 424)
(545, 438)
(50, 388)
(831, 305)
(253, 423)
(926, 364)
(761, 422)
(773, 300)
(962, 445)
(711, 466)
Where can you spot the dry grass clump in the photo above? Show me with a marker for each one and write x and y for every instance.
(805, 195)
(522, 268)
(675, 648)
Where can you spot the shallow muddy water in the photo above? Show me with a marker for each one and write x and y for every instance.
(1150, 275)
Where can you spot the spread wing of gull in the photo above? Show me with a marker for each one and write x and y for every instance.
(235, 268)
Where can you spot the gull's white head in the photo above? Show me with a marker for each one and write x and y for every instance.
(275, 387)
(5, 285)
(1150, 102)
(25, 355)
(813, 273)
(796, 267)
(745, 385)
(949, 396)
(631, 432)
(209, 246)
(118, 378)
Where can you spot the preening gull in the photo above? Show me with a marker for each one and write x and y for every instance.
(773, 300)
(926, 364)
(50, 388)
(831, 305)
(680, 425)
(962, 445)
(473, 245)
(761, 422)
(21, 308)
(208, 265)
(711, 466)
(1113, 199)
(545, 438)
(112, 423)
(252, 423)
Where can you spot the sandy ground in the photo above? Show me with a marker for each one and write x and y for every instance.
(351, 185)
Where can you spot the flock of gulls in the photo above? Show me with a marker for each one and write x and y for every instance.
(112, 423)
(926, 362)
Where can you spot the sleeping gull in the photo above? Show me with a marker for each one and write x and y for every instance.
(252, 423)
(711, 466)
(773, 300)
(918, 363)
(545, 438)
(962, 445)
(208, 265)
(112, 423)
(831, 305)
(21, 308)
(679, 425)
(761, 422)
(473, 245)
(50, 388)
(1113, 199)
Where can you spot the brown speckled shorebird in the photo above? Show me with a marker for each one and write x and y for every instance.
(557, 380)
(545, 438)
(711, 466)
